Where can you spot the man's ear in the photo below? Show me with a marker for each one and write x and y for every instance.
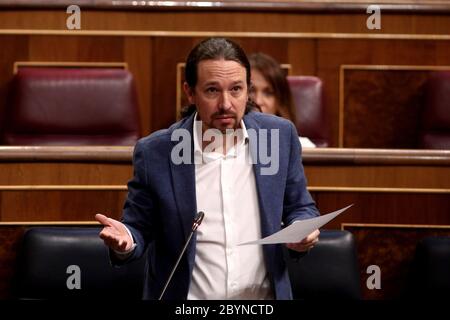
(189, 93)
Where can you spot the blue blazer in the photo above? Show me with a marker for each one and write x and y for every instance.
(161, 205)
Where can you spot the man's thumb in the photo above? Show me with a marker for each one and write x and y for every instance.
(102, 219)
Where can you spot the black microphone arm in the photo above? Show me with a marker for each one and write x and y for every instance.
(197, 221)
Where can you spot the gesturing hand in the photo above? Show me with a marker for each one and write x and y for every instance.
(114, 234)
(306, 243)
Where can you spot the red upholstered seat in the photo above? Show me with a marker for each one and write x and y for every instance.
(72, 106)
(307, 94)
(435, 129)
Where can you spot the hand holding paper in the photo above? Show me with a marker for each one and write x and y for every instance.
(298, 230)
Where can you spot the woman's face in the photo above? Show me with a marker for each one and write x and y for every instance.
(262, 93)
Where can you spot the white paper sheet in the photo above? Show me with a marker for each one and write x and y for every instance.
(298, 230)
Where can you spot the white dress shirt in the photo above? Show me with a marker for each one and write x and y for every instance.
(226, 192)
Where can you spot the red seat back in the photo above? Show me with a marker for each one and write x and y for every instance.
(307, 94)
(72, 106)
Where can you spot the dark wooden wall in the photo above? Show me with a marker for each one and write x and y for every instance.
(363, 72)
(321, 42)
(74, 183)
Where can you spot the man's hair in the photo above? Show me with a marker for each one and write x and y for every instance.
(214, 49)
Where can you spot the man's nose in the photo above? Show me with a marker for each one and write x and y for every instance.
(225, 102)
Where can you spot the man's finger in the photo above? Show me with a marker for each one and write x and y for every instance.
(297, 247)
(311, 237)
(104, 220)
(107, 235)
(307, 242)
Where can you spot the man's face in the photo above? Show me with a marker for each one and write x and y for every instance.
(220, 94)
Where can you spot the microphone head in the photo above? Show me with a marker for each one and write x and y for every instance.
(198, 220)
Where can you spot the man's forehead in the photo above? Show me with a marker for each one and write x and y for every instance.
(208, 70)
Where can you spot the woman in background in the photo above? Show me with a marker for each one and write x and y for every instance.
(270, 90)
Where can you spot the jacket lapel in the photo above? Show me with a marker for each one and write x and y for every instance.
(183, 182)
(264, 183)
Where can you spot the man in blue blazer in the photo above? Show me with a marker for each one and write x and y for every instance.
(177, 174)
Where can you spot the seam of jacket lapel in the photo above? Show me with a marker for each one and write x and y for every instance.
(183, 181)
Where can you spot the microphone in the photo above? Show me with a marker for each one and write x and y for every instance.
(197, 221)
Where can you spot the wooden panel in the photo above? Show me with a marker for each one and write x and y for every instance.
(377, 169)
(48, 173)
(165, 67)
(379, 176)
(332, 54)
(383, 106)
(66, 183)
(13, 48)
(277, 48)
(138, 53)
(75, 48)
(304, 53)
(202, 20)
(60, 205)
(152, 60)
(391, 248)
(63, 183)
(392, 208)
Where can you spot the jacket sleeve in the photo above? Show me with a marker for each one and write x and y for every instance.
(298, 203)
(138, 211)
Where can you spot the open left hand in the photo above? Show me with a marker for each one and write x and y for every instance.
(114, 234)
(307, 243)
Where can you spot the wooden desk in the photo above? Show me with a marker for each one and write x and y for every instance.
(40, 185)
(386, 186)
(62, 183)
(73, 183)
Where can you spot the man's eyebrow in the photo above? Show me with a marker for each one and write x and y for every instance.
(214, 83)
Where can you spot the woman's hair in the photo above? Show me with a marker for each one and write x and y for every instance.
(276, 77)
(214, 49)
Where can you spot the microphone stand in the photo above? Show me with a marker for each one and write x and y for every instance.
(197, 221)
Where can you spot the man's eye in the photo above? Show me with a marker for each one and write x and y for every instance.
(236, 88)
(211, 90)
